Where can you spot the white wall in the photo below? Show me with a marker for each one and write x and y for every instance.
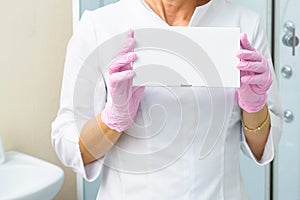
(33, 40)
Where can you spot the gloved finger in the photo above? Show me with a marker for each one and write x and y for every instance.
(120, 78)
(247, 55)
(120, 86)
(130, 33)
(258, 79)
(122, 63)
(245, 73)
(138, 92)
(257, 67)
(127, 46)
(137, 95)
(245, 44)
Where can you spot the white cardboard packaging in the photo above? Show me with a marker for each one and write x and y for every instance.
(187, 56)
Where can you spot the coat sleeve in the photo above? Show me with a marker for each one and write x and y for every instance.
(260, 42)
(77, 98)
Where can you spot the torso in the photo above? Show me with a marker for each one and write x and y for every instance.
(176, 121)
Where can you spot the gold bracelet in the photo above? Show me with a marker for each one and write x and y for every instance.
(259, 127)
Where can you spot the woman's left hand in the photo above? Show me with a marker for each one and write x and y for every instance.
(256, 77)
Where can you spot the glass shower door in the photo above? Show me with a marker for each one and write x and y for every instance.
(287, 168)
(93, 4)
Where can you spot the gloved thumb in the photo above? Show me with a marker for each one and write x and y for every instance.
(121, 79)
(138, 92)
(245, 44)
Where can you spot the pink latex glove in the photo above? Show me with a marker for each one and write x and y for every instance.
(256, 77)
(121, 109)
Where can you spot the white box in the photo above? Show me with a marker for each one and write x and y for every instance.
(187, 56)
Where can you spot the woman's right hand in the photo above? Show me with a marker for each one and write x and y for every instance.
(122, 105)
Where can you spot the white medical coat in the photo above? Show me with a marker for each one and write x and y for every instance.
(164, 113)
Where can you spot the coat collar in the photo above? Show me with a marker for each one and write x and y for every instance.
(141, 7)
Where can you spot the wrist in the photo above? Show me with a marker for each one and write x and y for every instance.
(106, 124)
(257, 128)
(254, 122)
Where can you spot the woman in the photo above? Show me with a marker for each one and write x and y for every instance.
(110, 137)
